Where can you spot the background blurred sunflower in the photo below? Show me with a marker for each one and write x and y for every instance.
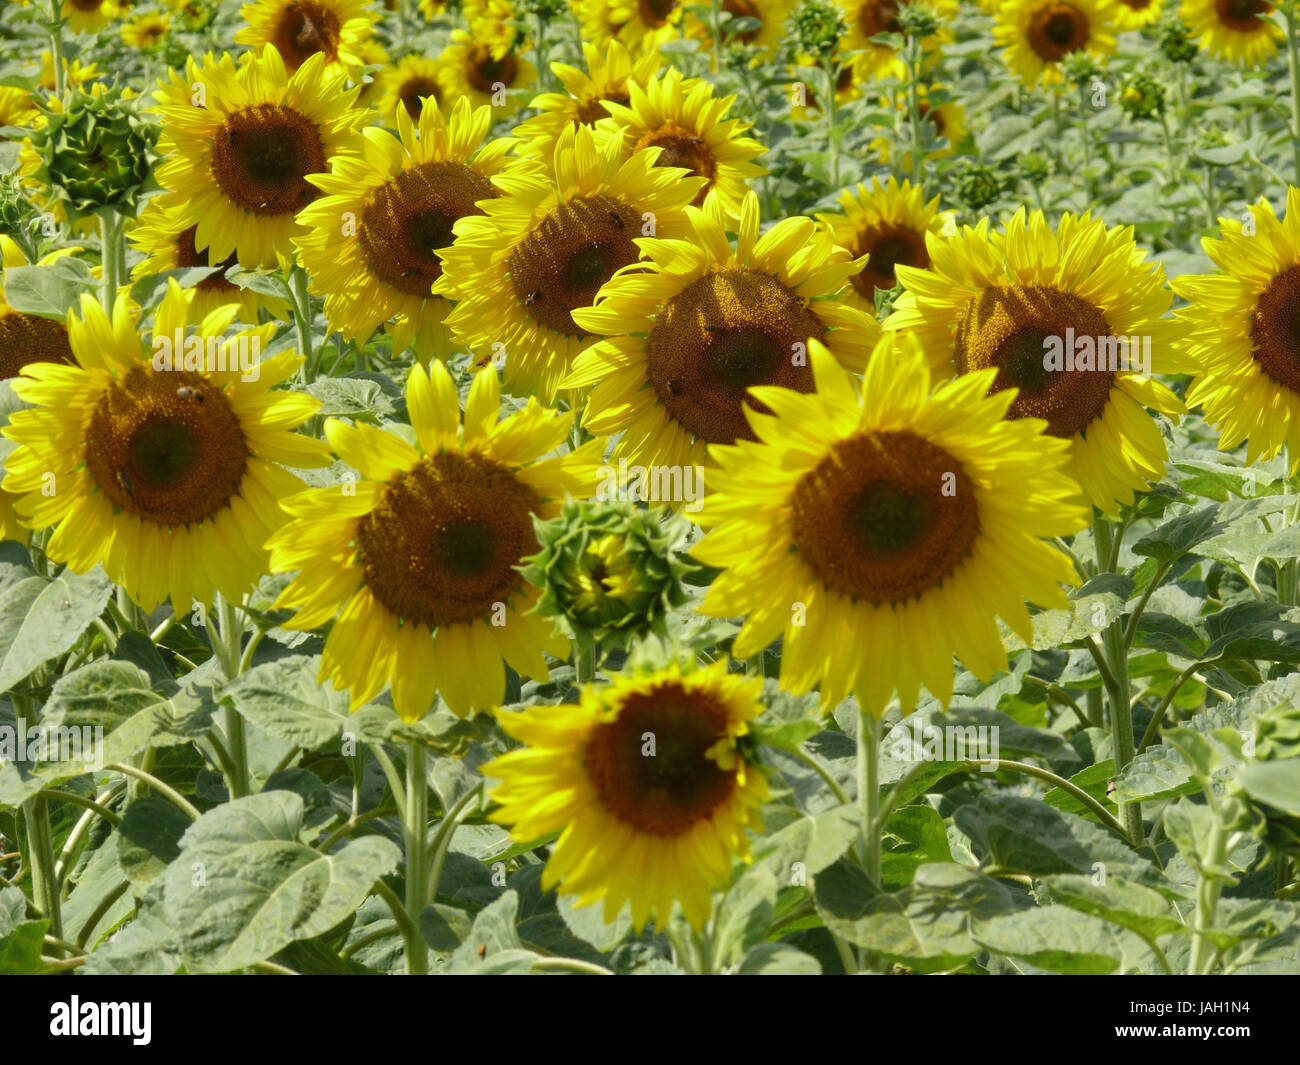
(90, 16)
(404, 195)
(641, 25)
(418, 560)
(1241, 31)
(169, 478)
(771, 16)
(545, 247)
(997, 301)
(237, 167)
(411, 81)
(701, 324)
(1241, 331)
(300, 29)
(490, 72)
(632, 828)
(880, 533)
(1035, 35)
(867, 18)
(1134, 14)
(145, 31)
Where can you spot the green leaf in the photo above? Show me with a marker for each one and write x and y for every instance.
(779, 959)
(51, 290)
(1094, 780)
(20, 949)
(244, 887)
(1128, 905)
(1179, 534)
(744, 915)
(150, 838)
(1276, 784)
(588, 923)
(1058, 939)
(40, 620)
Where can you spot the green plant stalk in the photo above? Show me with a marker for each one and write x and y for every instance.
(1293, 62)
(302, 321)
(1115, 655)
(1086, 137)
(833, 145)
(584, 661)
(1203, 952)
(56, 48)
(110, 256)
(540, 50)
(914, 106)
(40, 858)
(417, 862)
(868, 751)
(227, 646)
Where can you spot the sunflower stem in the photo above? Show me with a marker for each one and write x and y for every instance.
(56, 47)
(1293, 62)
(830, 69)
(226, 645)
(110, 256)
(868, 750)
(417, 864)
(1086, 137)
(1114, 655)
(914, 105)
(40, 859)
(302, 321)
(584, 661)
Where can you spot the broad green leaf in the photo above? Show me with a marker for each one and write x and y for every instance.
(1118, 901)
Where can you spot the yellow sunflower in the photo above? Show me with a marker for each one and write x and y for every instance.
(17, 109)
(25, 339)
(690, 333)
(1241, 31)
(418, 560)
(888, 224)
(770, 14)
(642, 25)
(74, 72)
(608, 74)
(400, 202)
(1134, 14)
(484, 71)
(547, 244)
(300, 29)
(1074, 320)
(1241, 330)
(145, 31)
(948, 120)
(634, 828)
(867, 18)
(168, 244)
(1035, 35)
(412, 82)
(237, 167)
(89, 16)
(684, 118)
(170, 478)
(807, 90)
(897, 520)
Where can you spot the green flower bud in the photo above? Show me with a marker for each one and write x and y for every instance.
(1176, 42)
(1080, 68)
(977, 185)
(609, 571)
(916, 20)
(96, 151)
(1141, 95)
(818, 27)
(1035, 167)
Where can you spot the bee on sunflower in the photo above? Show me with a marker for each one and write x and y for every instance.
(1015, 301)
(638, 830)
(406, 194)
(896, 518)
(171, 478)
(546, 245)
(417, 563)
(696, 328)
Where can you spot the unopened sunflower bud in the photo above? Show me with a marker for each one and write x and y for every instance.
(818, 27)
(1142, 95)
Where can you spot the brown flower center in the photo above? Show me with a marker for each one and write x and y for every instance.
(885, 516)
(718, 337)
(1014, 329)
(592, 111)
(656, 13)
(485, 72)
(188, 255)
(441, 546)
(407, 219)
(744, 9)
(685, 148)
(29, 338)
(879, 16)
(413, 92)
(1275, 329)
(648, 765)
(1244, 16)
(305, 28)
(261, 156)
(166, 446)
(887, 244)
(1055, 30)
(563, 262)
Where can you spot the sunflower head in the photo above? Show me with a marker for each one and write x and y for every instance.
(609, 571)
(95, 150)
(1038, 35)
(649, 783)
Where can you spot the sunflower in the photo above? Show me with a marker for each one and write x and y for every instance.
(89, 16)
(899, 520)
(74, 73)
(608, 74)
(168, 244)
(637, 827)
(482, 71)
(689, 334)
(947, 119)
(170, 478)
(770, 14)
(1241, 31)
(807, 90)
(17, 109)
(145, 31)
(300, 29)
(545, 247)
(1035, 35)
(25, 339)
(1241, 329)
(1014, 301)
(641, 25)
(867, 18)
(888, 224)
(237, 167)
(418, 560)
(682, 116)
(412, 82)
(403, 198)
(1134, 14)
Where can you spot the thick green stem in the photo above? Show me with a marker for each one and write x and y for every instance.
(110, 257)
(1293, 59)
(1207, 894)
(914, 105)
(829, 65)
(868, 747)
(584, 661)
(417, 862)
(227, 645)
(56, 48)
(40, 858)
(302, 321)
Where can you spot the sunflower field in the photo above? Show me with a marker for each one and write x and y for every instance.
(606, 487)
